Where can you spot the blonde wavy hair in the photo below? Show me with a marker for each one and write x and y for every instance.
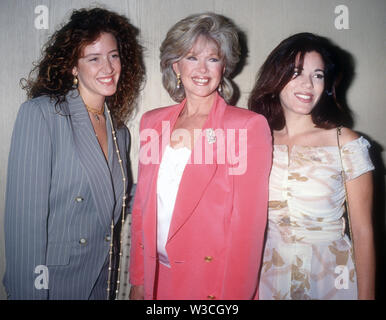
(181, 38)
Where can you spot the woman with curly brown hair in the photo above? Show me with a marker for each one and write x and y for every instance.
(69, 169)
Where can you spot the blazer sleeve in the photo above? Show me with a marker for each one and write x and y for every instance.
(27, 205)
(136, 267)
(249, 214)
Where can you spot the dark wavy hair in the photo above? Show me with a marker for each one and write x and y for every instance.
(64, 48)
(278, 70)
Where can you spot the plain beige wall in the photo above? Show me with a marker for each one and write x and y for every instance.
(265, 23)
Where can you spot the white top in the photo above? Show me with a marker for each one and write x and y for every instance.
(169, 177)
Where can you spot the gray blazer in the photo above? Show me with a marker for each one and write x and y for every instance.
(60, 198)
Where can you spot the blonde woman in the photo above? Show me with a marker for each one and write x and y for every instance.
(199, 217)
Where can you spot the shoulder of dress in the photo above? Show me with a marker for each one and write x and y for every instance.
(237, 114)
(43, 104)
(244, 118)
(41, 101)
(157, 114)
(347, 135)
(159, 111)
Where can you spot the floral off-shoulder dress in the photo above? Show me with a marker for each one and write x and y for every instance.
(307, 255)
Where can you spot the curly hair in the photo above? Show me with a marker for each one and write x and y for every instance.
(181, 38)
(64, 48)
(278, 70)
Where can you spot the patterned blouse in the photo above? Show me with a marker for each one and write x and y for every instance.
(307, 254)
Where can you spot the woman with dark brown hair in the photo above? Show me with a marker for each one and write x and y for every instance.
(317, 164)
(69, 169)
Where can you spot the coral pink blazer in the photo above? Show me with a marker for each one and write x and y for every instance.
(216, 235)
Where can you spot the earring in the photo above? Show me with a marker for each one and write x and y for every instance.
(178, 81)
(219, 89)
(75, 82)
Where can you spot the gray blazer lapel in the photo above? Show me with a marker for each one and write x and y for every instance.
(115, 169)
(92, 158)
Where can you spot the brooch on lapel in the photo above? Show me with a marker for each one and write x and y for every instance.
(210, 135)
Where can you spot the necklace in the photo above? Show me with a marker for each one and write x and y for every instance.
(96, 113)
(112, 220)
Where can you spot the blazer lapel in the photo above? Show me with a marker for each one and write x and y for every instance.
(92, 158)
(197, 176)
(115, 169)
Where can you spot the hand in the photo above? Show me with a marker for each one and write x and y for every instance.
(136, 293)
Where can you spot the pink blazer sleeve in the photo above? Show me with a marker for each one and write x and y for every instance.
(249, 215)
